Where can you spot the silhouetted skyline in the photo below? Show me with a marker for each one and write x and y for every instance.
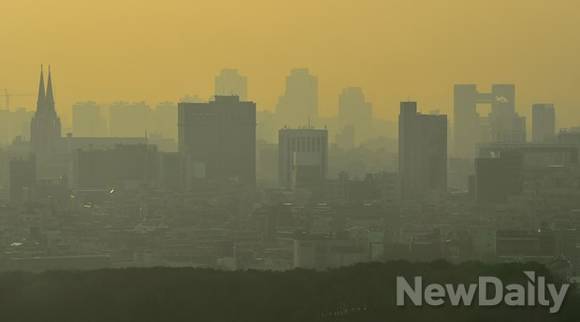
(111, 50)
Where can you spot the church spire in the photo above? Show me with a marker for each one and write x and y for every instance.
(41, 93)
(49, 93)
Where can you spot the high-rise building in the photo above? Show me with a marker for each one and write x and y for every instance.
(543, 123)
(128, 119)
(422, 153)
(302, 157)
(219, 139)
(45, 128)
(354, 111)
(502, 124)
(299, 104)
(230, 83)
(88, 120)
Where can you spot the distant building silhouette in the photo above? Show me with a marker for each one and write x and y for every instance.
(14, 123)
(45, 127)
(128, 119)
(354, 111)
(299, 104)
(503, 124)
(422, 153)
(543, 123)
(302, 157)
(230, 83)
(219, 139)
(88, 120)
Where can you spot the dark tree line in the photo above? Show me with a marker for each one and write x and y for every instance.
(364, 292)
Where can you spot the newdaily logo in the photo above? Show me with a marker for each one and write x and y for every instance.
(490, 292)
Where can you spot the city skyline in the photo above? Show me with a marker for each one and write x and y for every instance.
(307, 160)
(358, 45)
(66, 112)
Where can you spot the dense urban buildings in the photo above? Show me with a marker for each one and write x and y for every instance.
(218, 184)
(422, 153)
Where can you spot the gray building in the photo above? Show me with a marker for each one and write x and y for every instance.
(302, 157)
(422, 153)
(502, 124)
(543, 123)
(356, 113)
(218, 138)
(299, 104)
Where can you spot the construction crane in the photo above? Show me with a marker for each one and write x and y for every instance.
(7, 96)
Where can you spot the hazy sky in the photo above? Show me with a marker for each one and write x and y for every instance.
(110, 50)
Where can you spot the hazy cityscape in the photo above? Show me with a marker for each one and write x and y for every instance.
(216, 183)
(289, 161)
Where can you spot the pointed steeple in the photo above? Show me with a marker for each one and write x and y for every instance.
(49, 93)
(41, 93)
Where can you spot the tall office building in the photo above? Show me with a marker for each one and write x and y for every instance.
(88, 120)
(354, 111)
(302, 157)
(299, 104)
(230, 83)
(422, 153)
(502, 125)
(543, 123)
(45, 128)
(219, 139)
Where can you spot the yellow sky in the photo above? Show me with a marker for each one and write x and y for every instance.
(395, 49)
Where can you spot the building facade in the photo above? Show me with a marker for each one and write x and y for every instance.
(302, 157)
(299, 104)
(543, 123)
(218, 138)
(422, 152)
(502, 124)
